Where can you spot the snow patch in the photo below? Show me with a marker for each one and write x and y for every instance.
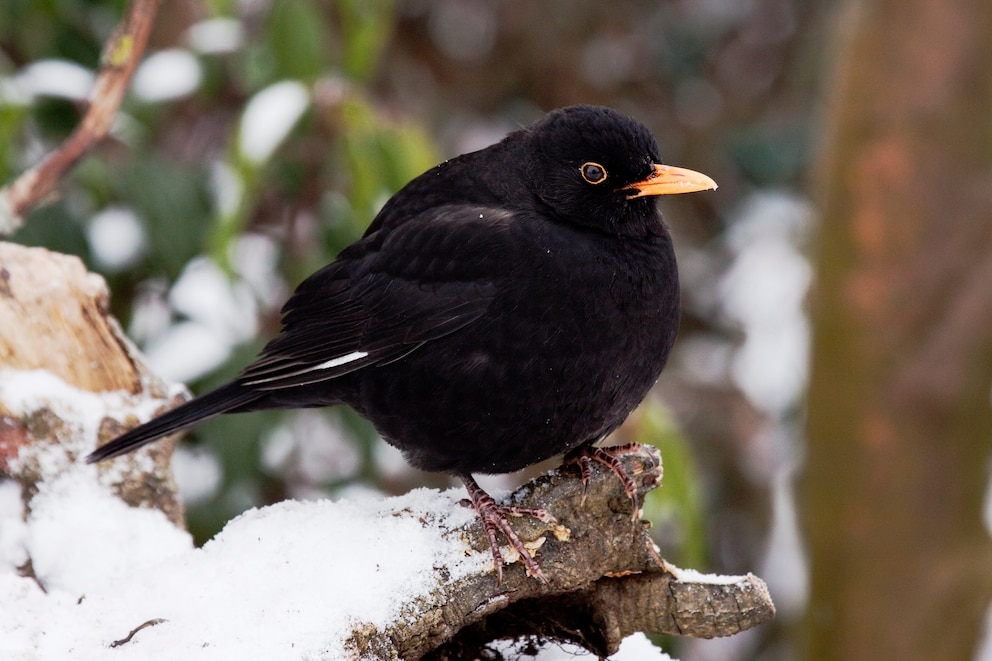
(216, 35)
(80, 535)
(55, 78)
(268, 118)
(693, 576)
(286, 581)
(25, 392)
(116, 237)
(633, 648)
(167, 75)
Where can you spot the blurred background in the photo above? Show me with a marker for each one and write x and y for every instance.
(824, 420)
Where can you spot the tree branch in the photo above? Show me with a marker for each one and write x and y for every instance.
(121, 55)
(606, 581)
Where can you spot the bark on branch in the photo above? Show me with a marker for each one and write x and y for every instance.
(121, 55)
(56, 318)
(606, 580)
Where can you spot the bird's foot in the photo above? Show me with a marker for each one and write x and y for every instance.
(609, 457)
(493, 517)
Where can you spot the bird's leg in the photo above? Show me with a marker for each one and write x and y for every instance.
(493, 517)
(609, 457)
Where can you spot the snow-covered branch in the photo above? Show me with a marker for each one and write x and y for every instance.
(373, 578)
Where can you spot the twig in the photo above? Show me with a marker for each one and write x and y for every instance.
(120, 57)
(127, 639)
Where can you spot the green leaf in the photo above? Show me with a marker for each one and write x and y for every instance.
(676, 508)
(175, 205)
(366, 26)
(296, 33)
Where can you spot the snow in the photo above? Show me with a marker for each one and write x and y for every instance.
(763, 292)
(785, 567)
(80, 535)
(116, 237)
(255, 258)
(25, 391)
(268, 118)
(206, 293)
(313, 446)
(57, 78)
(198, 474)
(983, 650)
(221, 313)
(633, 648)
(13, 532)
(638, 648)
(167, 75)
(693, 576)
(286, 581)
(216, 35)
(186, 351)
(77, 534)
(227, 188)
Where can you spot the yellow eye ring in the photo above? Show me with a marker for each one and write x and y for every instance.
(594, 173)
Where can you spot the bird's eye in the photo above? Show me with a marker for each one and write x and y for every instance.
(594, 173)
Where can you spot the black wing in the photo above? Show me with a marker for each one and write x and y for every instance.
(384, 297)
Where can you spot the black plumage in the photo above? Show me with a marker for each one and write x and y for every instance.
(506, 306)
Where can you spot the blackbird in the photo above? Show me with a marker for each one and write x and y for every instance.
(509, 305)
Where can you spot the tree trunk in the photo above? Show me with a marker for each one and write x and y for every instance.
(899, 418)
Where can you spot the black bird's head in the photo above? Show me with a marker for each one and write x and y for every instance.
(598, 168)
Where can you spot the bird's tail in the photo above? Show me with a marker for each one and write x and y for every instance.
(220, 400)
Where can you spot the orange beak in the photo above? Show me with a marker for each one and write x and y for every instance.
(668, 180)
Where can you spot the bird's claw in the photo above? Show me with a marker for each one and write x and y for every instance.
(609, 457)
(493, 517)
